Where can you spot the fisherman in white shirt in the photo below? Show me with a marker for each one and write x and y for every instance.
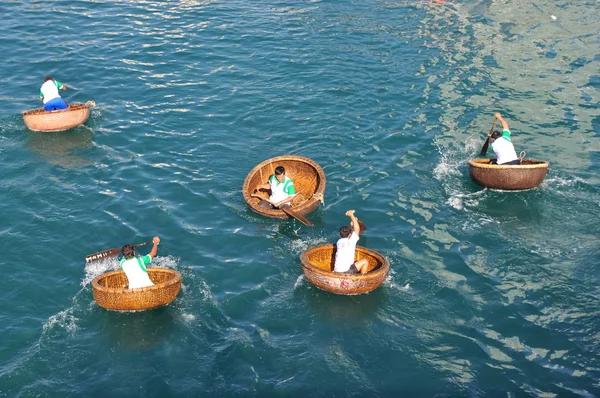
(281, 187)
(50, 96)
(346, 248)
(135, 267)
(502, 145)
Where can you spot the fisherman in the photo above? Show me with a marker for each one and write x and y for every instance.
(502, 145)
(281, 187)
(50, 96)
(135, 267)
(346, 247)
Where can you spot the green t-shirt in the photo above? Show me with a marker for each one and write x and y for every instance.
(141, 261)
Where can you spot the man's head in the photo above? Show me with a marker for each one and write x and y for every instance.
(345, 231)
(280, 173)
(128, 251)
(495, 135)
(47, 78)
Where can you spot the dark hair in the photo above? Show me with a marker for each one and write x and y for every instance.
(279, 170)
(128, 251)
(48, 78)
(345, 231)
(496, 134)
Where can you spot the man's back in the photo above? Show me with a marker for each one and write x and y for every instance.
(344, 254)
(135, 269)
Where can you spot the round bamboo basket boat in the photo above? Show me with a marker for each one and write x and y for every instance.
(110, 291)
(64, 119)
(309, 183)
(317, 264)
(529, 174)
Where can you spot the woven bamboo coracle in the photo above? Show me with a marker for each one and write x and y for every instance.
(317, 264)
(64, 119)
(309, 183)
(528, 175)
(110, 290)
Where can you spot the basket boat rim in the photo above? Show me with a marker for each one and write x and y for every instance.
(73, 107)
(308, 266)
(305, 206)
(175, 278)
(483, 164)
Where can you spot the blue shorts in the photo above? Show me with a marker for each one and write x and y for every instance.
(55, 104)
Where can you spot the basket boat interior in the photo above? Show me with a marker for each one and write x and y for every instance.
(118, 280)
(323, 258)
(307, 178)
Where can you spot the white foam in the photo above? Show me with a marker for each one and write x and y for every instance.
(64, 319)
(188, 318)
(299, 245)
(459, 200)
(559, 182)
(96, 268)
(298, 281)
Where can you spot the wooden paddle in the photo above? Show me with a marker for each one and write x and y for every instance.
(487, 142)
(109, 253)
(362, 226)
(287, 209)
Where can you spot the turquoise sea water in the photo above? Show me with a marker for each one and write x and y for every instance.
(489, 294)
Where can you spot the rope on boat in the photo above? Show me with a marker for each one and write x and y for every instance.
(319, 197)
(298, 199)
(90, 104)
(522, 155)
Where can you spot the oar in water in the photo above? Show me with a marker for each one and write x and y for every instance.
(72, 87)
(487, 142)
(109, 253)
(287, 209)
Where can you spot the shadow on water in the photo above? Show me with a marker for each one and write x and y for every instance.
(525, 206)
(137, 330)
(341, 309)
(61, 148)
(289, 228)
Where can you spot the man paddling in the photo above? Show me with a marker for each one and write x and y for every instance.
(346, 248)
(281, 187)
(50, 96)
(135, 267)
(502, 145)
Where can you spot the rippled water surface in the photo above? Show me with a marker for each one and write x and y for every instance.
(490, 293)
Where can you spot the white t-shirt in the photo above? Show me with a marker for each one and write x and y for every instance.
(135, 269)
(344, 255)
(49, 90)
(281, 190)
(504, 149)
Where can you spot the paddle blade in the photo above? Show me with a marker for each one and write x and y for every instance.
(362, 226)
(288, 210)
(102, 255)
(109, 253)
(487, 141)
(485, 147)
